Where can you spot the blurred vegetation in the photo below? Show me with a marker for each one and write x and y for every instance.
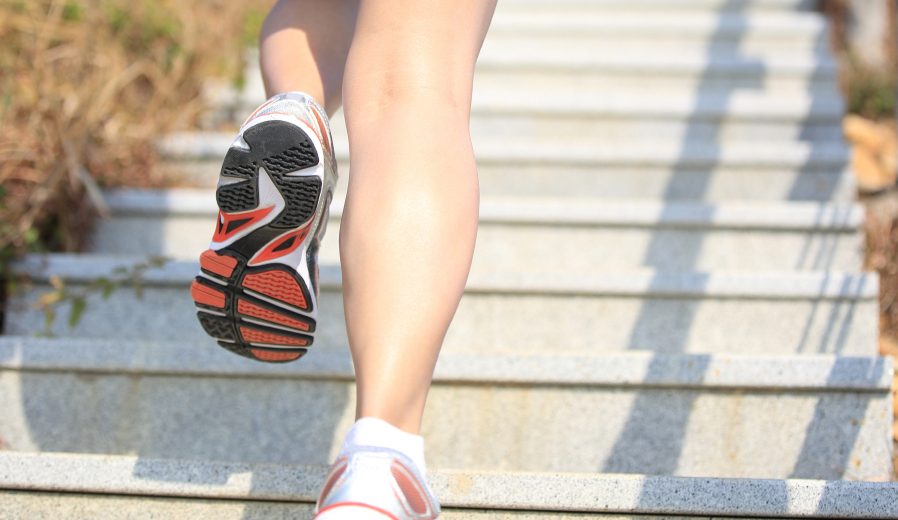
(87, 86)
(870, 92)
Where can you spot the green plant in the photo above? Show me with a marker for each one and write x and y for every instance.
(76, 297)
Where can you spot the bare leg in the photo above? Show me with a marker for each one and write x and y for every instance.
(303, 48)
(410, 217)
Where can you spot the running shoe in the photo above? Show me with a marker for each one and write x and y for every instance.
(257, 290)
(376, 484)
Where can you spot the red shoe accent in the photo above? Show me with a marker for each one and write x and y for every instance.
(229, 224)
(207, 295)
(282, 245)
(414, 495)
(250, 309)
(221, 265)
(260, 336)
(278, 285)
(338, 470)
(322, 130)
(270, 355)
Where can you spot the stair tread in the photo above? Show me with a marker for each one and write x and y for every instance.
(655, 5)
(720, 23)
(209, 144)
(835, 217)
(637, 282)
(138, 476)
(620, 369)
(638, 102)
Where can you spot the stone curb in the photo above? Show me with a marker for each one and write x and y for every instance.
(629, 369)
(639, 283)
(597, 493)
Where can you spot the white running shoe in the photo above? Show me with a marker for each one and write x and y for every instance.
(376, 484)
(257, 290)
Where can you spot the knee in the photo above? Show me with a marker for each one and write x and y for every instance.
(388, 91)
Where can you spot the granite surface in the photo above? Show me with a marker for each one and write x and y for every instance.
(600, 493)
(748, 312)
(827, 418)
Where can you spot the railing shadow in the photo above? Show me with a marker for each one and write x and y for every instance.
(661, 432)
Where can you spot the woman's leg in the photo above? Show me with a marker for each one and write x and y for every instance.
(303, 48)
(410, 217)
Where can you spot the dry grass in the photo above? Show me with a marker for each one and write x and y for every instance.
(87, 86)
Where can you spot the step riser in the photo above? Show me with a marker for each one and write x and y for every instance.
(20, 505)
(534, 180)
(23, 506)
(569, 248)
(653, 431)
(525, 323)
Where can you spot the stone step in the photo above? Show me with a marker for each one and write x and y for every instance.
(651, 6)
(679, 51)
(634, 116)
(638, 22)
(549, 64)
(670, 184)
(812, 46)
(585, 152)
(549, 56)
(83, 483)
(703, 171)
(691, 415)
(640, 115)
(722, 74)
(514, 312)
(572, 235)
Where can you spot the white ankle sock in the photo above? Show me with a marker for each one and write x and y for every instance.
(371, 431)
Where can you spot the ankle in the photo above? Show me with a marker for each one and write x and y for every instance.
(372, 431)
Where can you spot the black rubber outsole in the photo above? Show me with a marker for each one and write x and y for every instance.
(239, 309)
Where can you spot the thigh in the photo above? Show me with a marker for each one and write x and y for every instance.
(404, 48)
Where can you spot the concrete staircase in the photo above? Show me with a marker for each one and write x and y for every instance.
(665, 318)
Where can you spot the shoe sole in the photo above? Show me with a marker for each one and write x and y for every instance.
(257, 291)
